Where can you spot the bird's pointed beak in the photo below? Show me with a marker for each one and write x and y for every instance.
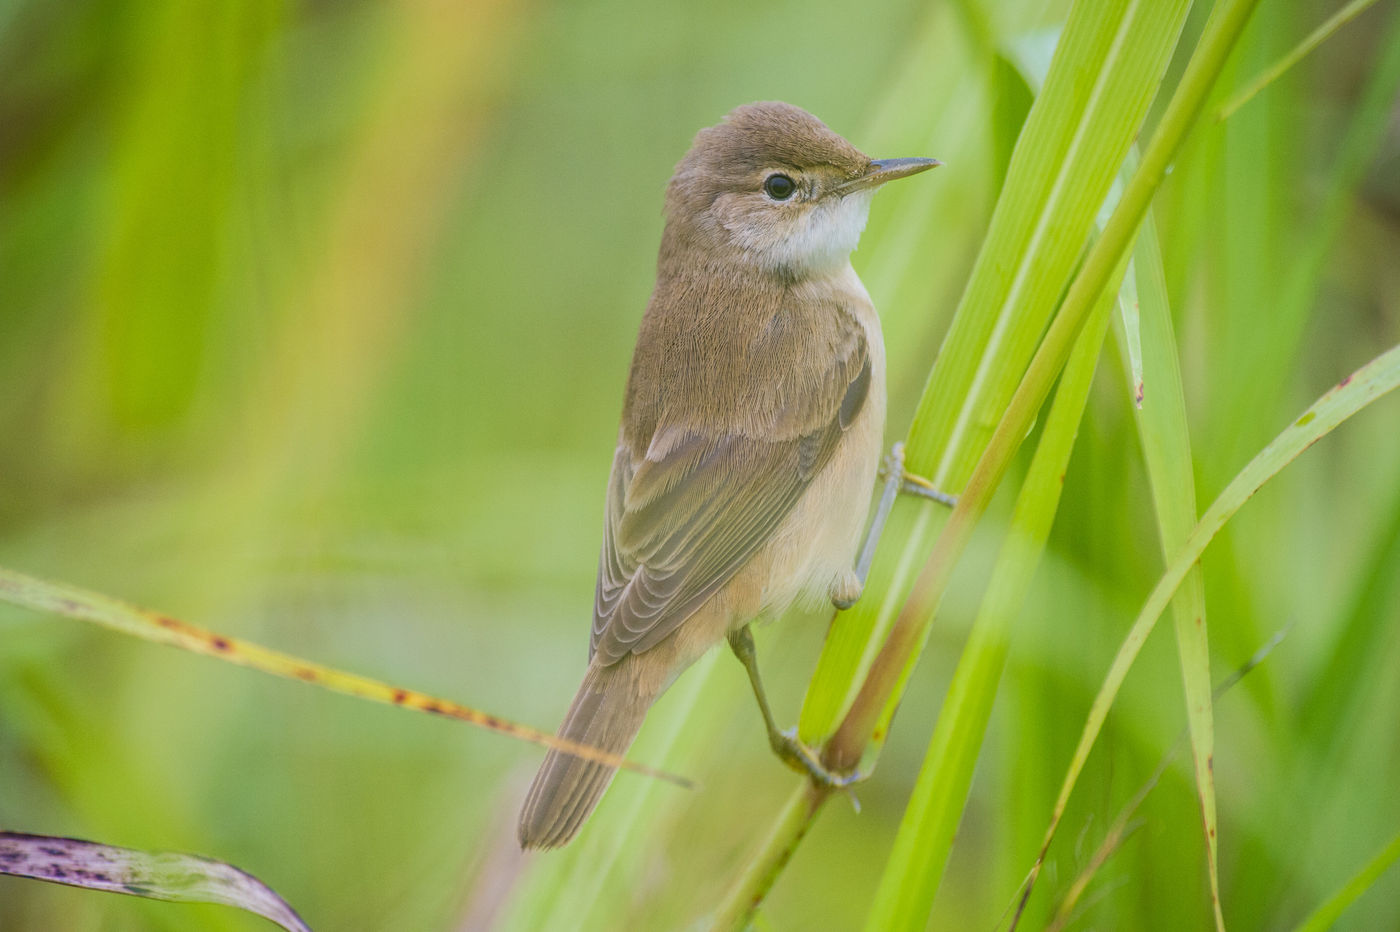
(882, 170)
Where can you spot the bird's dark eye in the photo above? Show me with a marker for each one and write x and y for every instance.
(779, 187)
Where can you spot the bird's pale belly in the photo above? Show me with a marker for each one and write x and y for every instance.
(817, 543)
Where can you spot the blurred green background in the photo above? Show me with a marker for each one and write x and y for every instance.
(314, 321)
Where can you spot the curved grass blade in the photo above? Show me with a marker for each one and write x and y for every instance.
(1122, 826)
(1329, 912)
(1130, 332)
(1358, 150)
(108, 612)
(915, 867)
(1349, 396)
(1106, 69)
(156, 875)
(870, 709)
(1275, 71)
(1166, 447)
(879, 694)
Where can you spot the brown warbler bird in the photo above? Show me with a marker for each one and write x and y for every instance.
(750, 438)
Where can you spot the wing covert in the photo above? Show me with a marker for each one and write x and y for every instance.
(685, 515)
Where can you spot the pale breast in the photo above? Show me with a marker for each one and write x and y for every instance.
(818, 541)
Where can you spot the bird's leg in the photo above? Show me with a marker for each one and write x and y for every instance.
(785, 744)
(912, 484)
(848, 589)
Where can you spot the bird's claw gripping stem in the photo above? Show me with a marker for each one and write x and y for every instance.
(896, 480)
(804, 760)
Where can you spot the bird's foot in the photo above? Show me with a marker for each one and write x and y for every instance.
(804, 760)
(910, 483)
(846, 589)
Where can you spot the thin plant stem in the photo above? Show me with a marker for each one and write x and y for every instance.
(737, 911)
(1275, 71)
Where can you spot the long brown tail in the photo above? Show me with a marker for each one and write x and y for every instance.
(606, 714)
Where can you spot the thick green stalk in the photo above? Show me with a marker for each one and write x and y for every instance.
(882, 686)
(788, 831)
(925, 838)
(1106, 68)
(879, 695)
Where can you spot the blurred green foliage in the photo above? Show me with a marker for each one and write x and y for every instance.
(314, 321)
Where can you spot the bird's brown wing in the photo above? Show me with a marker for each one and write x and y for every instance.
(686, 516)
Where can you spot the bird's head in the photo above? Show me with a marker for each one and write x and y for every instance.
(774, 185)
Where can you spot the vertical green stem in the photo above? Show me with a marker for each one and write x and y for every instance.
(788, 831)
(900, 650)
(890, 669)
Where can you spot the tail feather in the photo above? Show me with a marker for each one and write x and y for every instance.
(606, 714)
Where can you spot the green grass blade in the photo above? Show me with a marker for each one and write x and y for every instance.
(1353, 393)
(1073, 143)
(1329, 912)
(883, 686)
(1121, 827)
(1271, 74)
(925, 838)
(1363, 137)
(115, 615)
(787, 833)
(1256, 363)
(1160, 414)
(1129, 332)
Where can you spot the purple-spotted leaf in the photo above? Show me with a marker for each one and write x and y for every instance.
(157, 875)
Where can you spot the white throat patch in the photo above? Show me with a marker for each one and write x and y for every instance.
(820, 241)
(831, 232)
